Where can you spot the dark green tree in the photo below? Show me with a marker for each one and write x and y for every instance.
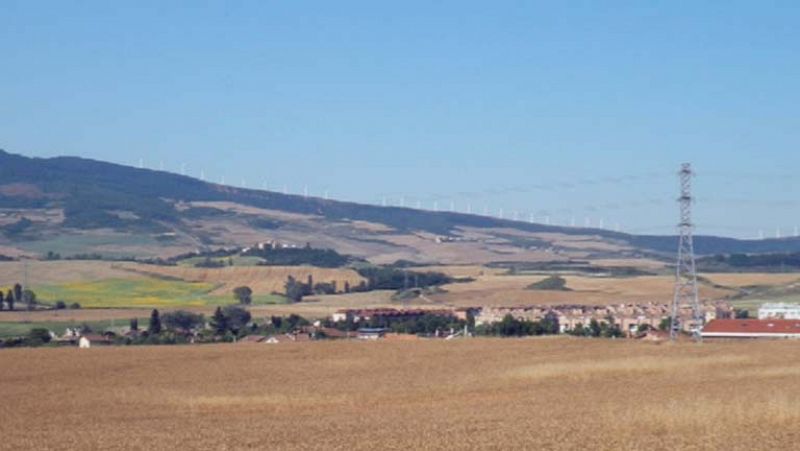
(2, 301)
(294, 289)
(29, 298)
(244, 295)
(181, 320)
(18, 293)
(10, 299)
(135, 324)
(740, 313)
(219, 322)
(155, 323)
(238, 317)
(594, 328)
(38, 336)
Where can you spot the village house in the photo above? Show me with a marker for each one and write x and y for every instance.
(371, 333)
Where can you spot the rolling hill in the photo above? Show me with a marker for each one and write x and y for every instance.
(70, 206)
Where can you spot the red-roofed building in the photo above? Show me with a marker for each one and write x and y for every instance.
(752, 328)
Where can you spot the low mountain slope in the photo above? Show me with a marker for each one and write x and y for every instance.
(70, 205)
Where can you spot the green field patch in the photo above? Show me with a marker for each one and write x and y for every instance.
(258, 299)
(73, 244)
(117, 293)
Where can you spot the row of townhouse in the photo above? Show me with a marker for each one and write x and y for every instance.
(391, 314)
(628, 317)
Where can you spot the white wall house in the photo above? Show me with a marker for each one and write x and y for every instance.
(779, 311)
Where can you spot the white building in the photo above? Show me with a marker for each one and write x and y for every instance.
(779, 311)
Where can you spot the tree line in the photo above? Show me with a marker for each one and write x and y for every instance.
(16, 296)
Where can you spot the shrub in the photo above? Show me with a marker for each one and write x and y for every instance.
(552, 283)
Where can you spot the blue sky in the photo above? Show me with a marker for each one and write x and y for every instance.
(561, 109)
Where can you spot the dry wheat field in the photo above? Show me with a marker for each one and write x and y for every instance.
(554, 393)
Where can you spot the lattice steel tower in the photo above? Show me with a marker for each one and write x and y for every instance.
(685, 270)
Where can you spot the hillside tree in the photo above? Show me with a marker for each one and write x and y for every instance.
(244, 295)
(2, 300)
(10, 299)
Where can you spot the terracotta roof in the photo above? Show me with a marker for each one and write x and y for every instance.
(752, 326)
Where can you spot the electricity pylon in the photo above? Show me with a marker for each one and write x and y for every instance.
(685, 269)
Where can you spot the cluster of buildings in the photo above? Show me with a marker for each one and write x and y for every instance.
(630, 318)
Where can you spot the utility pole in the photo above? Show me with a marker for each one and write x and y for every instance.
(685, 270)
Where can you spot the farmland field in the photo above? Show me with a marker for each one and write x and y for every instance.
(99, 284)
(494, 289)
(129, 293)
(554, 393)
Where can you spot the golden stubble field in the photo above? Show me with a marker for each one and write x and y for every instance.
(497, 289)
(554, 393)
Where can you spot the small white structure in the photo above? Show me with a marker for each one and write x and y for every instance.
(779, 311)
(84, 343)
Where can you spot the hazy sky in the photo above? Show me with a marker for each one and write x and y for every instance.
(568, 109)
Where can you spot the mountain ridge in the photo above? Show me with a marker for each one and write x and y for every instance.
(95, 195)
